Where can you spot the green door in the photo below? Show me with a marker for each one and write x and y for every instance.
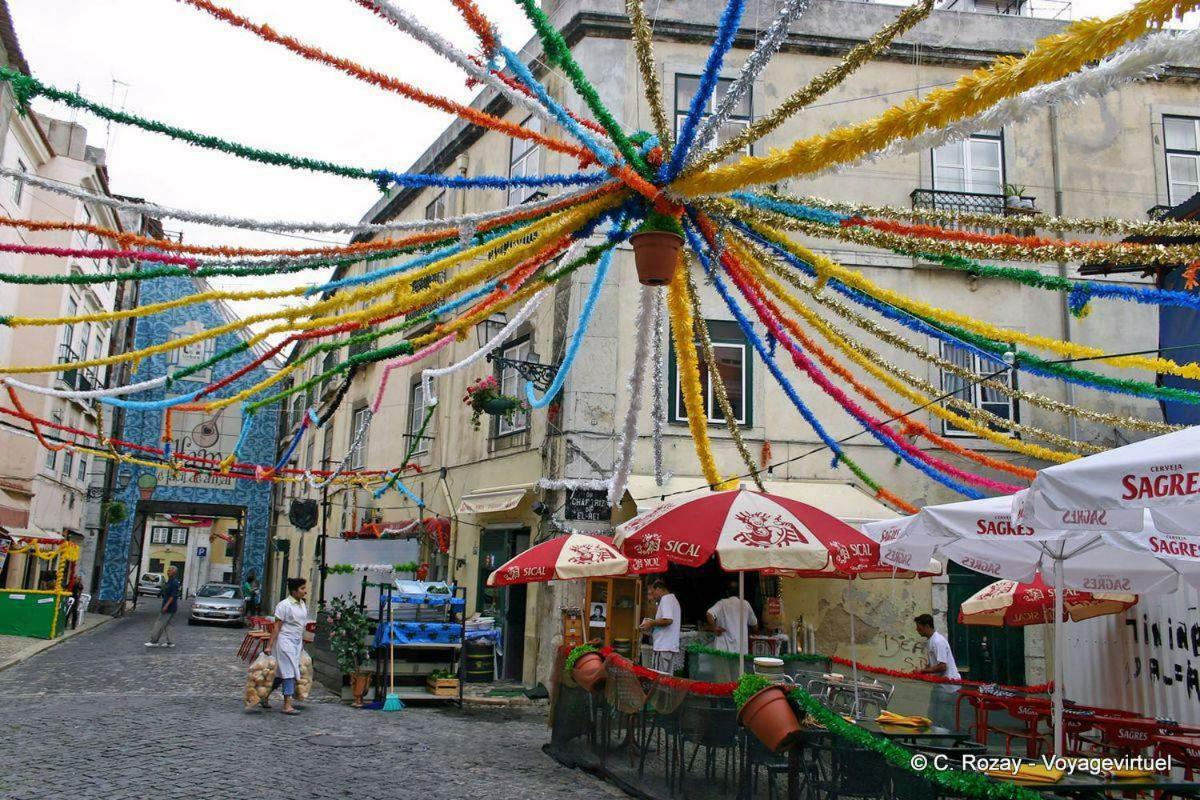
(505, 603)
(983, 653)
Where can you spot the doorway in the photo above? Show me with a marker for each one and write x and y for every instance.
(203, 541)
(983, 653)
(506, 604)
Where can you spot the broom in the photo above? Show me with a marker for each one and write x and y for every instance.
(392, 702)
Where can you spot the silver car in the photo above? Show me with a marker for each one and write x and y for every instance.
(218, 602)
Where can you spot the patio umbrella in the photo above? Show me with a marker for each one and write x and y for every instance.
(1013, 604)
(1109, 490)
(980, 535)
(562, 558)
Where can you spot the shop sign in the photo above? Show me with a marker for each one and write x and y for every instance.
(588, 505)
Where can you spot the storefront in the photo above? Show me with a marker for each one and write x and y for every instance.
(35, 603)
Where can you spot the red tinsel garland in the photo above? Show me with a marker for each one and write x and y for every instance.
(1041, 688)
(670, 681)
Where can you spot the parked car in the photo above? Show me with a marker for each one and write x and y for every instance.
(219, 602)
(150, 583)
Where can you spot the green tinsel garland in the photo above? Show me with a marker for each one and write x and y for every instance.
(559, 54)
(957, 783)
(576, 654)
(749, 685)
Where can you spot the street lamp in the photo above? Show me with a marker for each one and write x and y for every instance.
(490, 327)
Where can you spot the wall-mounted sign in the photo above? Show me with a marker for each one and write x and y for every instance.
(588, 505)
(201, 552)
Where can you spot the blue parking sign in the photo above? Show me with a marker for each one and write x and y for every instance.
(201, 552)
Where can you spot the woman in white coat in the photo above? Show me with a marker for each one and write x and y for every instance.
(287, 640)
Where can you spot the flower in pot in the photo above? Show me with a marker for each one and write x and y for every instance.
(484, 397)
(348, 632)
(586, 666)
(656, 246)
(1012, 195)
(764, 709)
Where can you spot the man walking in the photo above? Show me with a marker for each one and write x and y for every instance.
(939, 661)
(170, 604)
(664, 629)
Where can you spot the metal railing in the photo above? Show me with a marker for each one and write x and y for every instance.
(1159, 212)
(979, 203)
(1035, 9)
(424, 283)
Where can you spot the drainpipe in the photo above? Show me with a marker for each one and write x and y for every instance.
(1056, 167)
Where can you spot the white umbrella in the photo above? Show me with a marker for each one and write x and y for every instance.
(979, 535)
(1109, 490)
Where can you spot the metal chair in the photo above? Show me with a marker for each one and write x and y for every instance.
(835, 770)
(711, 724)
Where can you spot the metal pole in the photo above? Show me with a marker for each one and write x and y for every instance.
(854, 660)
(1059, 635)
(742, 623)
(321, 544)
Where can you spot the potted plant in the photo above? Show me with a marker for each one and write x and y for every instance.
(348, 632)
(656, 246)
(586, 666)
(115, 512)
(1012, 195)
(484, 397)
(763, 708)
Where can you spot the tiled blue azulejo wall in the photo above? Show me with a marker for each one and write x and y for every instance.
(209, 435)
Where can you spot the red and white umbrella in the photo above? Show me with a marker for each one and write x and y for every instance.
(1013, 604)
(748, 531)
(563, 558)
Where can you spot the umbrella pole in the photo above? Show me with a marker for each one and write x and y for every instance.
(742, 622)
(854, 656)
(1059, 635)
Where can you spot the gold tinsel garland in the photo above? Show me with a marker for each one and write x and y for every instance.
(643, 50)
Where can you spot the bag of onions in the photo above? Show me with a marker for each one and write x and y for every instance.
(304, 682)
(259, 680)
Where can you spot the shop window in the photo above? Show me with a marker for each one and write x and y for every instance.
(974, 391)
(1181, 135)
(974, 165)
(734, 365)
(525, 160)
(739, 120)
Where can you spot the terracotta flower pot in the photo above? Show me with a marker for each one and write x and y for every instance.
(360, 682)
(769, 716)
(499, 405)
(589, 671)
(656, 256)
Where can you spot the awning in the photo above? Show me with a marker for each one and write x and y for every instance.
(34, 534)
(494, 500)
(843, 500)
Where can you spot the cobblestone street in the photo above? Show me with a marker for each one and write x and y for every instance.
(101, 716)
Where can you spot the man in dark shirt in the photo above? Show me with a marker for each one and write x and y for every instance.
(170, 604)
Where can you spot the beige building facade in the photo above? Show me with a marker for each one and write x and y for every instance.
(1104, 157)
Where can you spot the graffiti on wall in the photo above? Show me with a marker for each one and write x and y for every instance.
(1172, 648)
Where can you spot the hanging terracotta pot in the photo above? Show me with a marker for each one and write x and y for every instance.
(500, 405)
(589, 671)
(656, 256)
(770, 717)
(360, 682)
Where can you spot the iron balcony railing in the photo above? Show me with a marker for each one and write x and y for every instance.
(979, 203)
(1159, 213)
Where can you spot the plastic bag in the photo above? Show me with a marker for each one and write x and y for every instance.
(259, 679)
(304, 682)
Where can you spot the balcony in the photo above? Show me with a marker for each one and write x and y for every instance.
(978, 203)
(1036, 9)
(1159, 213)
(420, 284)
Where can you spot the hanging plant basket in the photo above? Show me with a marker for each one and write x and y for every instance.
(656, 247)
(500, 404)
(484, 397)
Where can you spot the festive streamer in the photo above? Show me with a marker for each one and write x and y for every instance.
(558, 53)
(479, 24)
(719, 392)
(1050, 59)
(68, 252)
(635, 389)
(643, 46)
(658, 412)
(355, 442)
(683, 330)
(386, 82)
(427, 376)
(404, 361)
(860, 54)
(90, 394)
(727, 28)
(585, 318)
(574, 484)
(393, 479)
(772, 39)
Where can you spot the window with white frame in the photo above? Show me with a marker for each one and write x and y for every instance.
(731, 354)
(68, 331)
(737, 121)
(973, 390)
(18, 192)
(1181, 137)
(513, 385)
(179, 535)
(525, 160)
(159, 535)
(83, 465)
(436, 208)
(975, 165)
(358, 455)
(417, 409)
(68, 462)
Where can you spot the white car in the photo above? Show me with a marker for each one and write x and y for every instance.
(150, 583)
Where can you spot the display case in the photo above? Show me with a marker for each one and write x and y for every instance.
(613, 612)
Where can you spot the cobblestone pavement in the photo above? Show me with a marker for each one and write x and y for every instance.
(101, 716)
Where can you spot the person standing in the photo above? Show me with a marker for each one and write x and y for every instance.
(170, 604)
(76, 596)
(939, 661)
(250, 592)
(664, 629)
(731, 619)
(287, 641)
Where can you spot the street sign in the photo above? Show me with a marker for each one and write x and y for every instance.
(201, 552)
(588, 504)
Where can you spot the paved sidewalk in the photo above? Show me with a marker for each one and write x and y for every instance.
(15, 649)
(101, 716)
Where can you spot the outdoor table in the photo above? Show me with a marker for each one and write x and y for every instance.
(1184, 750)
(1097, 786)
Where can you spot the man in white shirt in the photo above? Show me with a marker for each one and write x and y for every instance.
(664, 629)
(730, 619)
(939, 661)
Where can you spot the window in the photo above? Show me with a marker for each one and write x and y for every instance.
(436, 208)
(297, 412)
(977, 394)
(739, 120)
(329, 362)
(52, 455)
(513, 385)
(179, 535)
(68, 462)
(83, 465)
(1181, 135)
(159, 535)
(973, 165)
(733, 364)
(327, 445)
(357, 456)
(68, 332)
(525, 160)
(18, 192)
(417, 409)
